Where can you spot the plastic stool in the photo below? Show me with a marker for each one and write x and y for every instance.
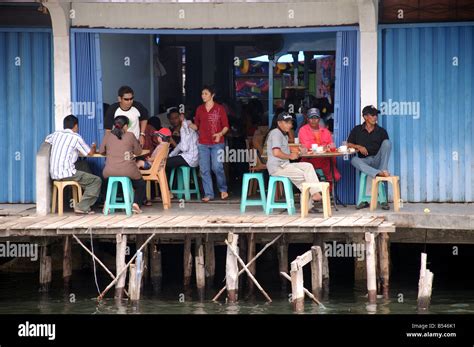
(325, 195)
(111, 202)
(289, 205)
(395, 181)
(382, 197)
(184, 182)
(245, 187)
(58, 189)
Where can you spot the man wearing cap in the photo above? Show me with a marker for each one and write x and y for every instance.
(312, 133)
(373, 145)
(279, 156)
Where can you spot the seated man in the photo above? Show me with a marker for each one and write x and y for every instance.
(186, 151)
(66, 145)
(279, 156)
(313, 133)
(374, 148)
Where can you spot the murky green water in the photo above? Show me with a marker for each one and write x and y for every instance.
(18, 294)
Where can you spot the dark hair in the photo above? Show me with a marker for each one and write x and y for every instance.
(155, 122)
(124, 90)
(172, 110)
(119, 123)
(210, 88)
(70, 121)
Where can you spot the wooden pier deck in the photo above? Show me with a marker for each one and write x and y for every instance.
(99, 224)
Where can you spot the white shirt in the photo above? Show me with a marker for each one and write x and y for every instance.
(66, 145)
(133, 116)
(187, 146)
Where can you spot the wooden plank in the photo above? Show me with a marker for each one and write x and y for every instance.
(105, 224)
(375, 223)
(364, 220)
(329, 222)
(78, 223)
(22, 223)
(346, 222)
(312, 222)
(303, 259)
(137, 221)
(280, 221)
(297, 222)
(41, 224)
(92, 223)
(193, 222)
(56, 225)
(4, 220)
(160, 222)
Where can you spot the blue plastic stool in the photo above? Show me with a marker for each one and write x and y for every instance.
(184, 182)
(382, 197)
(111, 202)
(289, 205)
(245, 189)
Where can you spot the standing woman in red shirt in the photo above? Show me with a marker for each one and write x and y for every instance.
(212, 123)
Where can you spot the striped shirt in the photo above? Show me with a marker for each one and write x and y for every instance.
(187, 146)
(66, 146)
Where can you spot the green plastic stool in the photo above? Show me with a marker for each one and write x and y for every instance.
(111, 202)
(362, 190)
(184, 182)
(289, 205)
(245, 188)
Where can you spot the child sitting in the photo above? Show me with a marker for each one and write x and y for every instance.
(163, 135)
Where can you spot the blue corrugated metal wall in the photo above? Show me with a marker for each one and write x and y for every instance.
(346, 106)
(26, 108)
(86, 88)
(432, 150)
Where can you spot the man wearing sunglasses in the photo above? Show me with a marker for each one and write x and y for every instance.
(374, 147)
(127, 106)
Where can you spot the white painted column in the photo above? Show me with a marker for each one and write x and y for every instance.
(368, 52)
(62, 72)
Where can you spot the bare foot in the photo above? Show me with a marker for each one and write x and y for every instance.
(316, 197)
(136, 209)
(383, 174)
(224, 195)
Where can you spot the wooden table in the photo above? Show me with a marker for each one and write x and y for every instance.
(311, 154)
(98, 155)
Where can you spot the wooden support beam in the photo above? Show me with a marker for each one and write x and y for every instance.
(283, 260)
(251, 249)
(67, 263)
(200, 269)
(243, 255)
(45, 269)
(306, 291)
(139, 241)
(371, 273)
(210, 260)
(188, 262)
(135, 277)
(156, 269)
(317, 271)
(232, 269)
(121, 248)
(297, 287)
(383, 251)
(318, 240)
(425, 285)
(234, 252)
(360, 268)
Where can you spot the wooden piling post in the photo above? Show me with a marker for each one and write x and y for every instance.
(283, 260)
(425, 285)
(45, 269)
(188, 262)
(318, 240)
(243, 255)
(121, 249)
(156, 269)
(210, 262)
(383, 250)
(251, 251)
(67, 263)
(360, 269)
(297, 285)
(135, 278)
(139, 241)
(317, 271)
(232, 269)
(200, 268)
(371, 273)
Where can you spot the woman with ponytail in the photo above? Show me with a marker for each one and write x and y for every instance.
(120, 148)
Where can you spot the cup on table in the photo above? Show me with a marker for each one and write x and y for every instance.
(319, 149)
(343, 148)
(297, 141)
(314, 147)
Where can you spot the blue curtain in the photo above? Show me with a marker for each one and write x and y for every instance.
(87, 91)
(346, 106)
(26, 108)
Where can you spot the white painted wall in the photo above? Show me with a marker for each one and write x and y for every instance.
(216, 15)
(115, 51)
